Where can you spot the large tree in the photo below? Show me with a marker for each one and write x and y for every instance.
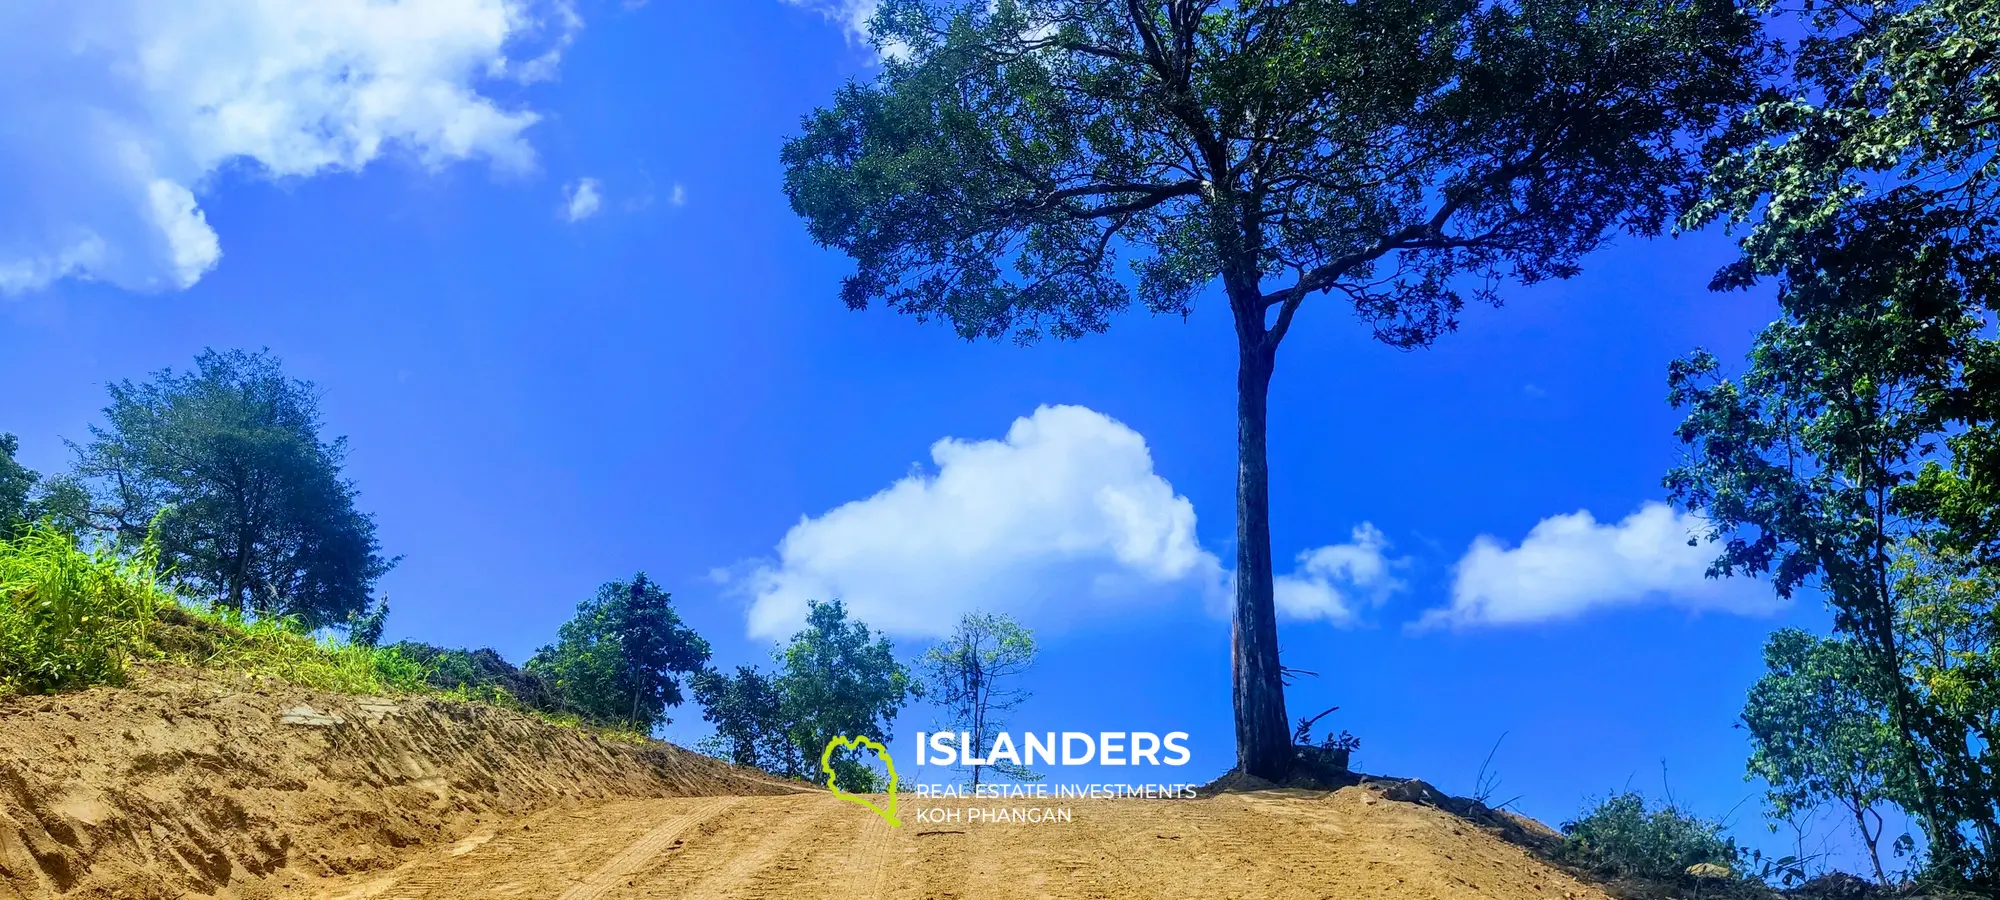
(1024, 168)
(250, 502)
(1868, 419)
(1810, 465)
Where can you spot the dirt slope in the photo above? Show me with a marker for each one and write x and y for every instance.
(195, 784)
(1350, 845)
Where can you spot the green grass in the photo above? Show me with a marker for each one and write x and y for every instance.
(71, 617)
(190, 634)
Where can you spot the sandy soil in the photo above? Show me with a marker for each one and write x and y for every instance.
(197, 784)
(1351, 845)
(188, 784)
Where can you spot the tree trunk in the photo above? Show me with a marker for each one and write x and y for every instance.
(239, 579)
(1871, 840)
(1877, 626)
(1263, 744)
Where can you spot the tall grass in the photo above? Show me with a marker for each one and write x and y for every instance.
(71, 617)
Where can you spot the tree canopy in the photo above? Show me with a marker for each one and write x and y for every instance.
(252, 507)
(1025, 168)
(620, 659)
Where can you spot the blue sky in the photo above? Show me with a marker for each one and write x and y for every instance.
(539, 401)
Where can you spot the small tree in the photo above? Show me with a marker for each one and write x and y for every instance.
(1027, 167)
(967, 675)
(835, 678)
(748, 715)
(1818, 735)
(619, 660)
(364, 629)
(61, 502)
(257, 513)
(838, 677)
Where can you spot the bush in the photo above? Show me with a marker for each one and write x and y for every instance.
(70, 617)
(484, 675)
(1622, 836)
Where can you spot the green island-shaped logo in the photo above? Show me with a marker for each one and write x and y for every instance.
(856, 743)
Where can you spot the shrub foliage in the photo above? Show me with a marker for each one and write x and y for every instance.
(1625, 836)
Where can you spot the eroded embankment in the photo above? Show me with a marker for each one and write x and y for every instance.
(194, 783)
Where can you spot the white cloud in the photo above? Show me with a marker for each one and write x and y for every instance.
(1329, 580)
(1062, 517)
(121, 112)
(679, 197)
(852, 15)
(1063, 514)
(581, 200)
(1571, 564)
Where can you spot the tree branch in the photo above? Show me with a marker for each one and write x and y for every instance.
(1150, 195)
(1424, 235)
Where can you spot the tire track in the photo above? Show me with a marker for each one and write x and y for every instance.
(745, 865)
(1266, 847)
(635, 857)
(850, 859)
(874, 853)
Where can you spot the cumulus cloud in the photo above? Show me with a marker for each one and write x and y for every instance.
(1063, 514)
(121, 112)
(1571, 564)
(1332, 581)
(582, 199)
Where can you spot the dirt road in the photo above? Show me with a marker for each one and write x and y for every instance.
(193, 784)
(1352, 845)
